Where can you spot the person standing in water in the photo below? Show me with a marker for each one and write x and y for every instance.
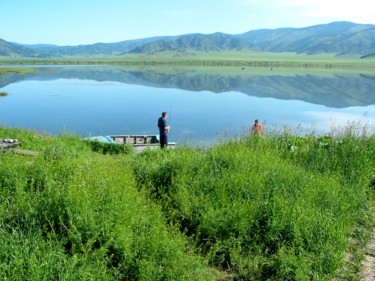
(163, 129)
(257, 128)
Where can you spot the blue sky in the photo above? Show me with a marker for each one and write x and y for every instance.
(74, 22)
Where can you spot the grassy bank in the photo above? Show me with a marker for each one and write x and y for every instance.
(278, 208)
(16, 70)
(213, 59)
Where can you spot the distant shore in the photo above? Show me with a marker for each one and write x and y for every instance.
(226, 59)
(16, 70)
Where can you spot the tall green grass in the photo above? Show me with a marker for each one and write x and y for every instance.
(261, 211)
(72, 214)
(278, 208)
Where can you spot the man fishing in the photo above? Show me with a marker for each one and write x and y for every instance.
(163, 129)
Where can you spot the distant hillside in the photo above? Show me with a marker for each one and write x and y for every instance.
(94, 49)
(335, 37)
(356, 43)
(342, 38)
(211, 42)
(13, 50)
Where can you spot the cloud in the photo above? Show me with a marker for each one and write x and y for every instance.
(361, 11)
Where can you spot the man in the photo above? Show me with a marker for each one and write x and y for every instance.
(257, 128)
(163, 129)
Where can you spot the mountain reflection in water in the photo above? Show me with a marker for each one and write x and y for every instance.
(329, 88)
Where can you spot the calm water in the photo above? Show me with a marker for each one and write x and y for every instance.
(203, 106)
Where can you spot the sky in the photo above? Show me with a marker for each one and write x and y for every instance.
(75, 22)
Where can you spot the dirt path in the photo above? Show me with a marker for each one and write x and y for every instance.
(368, 269)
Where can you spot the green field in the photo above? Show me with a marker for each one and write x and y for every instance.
(278, 208)
(16, 70)
(216, 59)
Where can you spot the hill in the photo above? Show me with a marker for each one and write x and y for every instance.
(337, 37)
(93, 49)
(342, 38)
(211, 42)
(10, 50)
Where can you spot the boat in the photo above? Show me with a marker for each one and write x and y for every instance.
(139, 142)
(9, 143)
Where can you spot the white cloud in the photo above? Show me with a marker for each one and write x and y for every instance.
(361, 11)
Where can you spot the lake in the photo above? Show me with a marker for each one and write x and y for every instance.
(205, 104)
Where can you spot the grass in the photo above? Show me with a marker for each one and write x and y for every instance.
(280, 208)
(16, 70)
(213, 59)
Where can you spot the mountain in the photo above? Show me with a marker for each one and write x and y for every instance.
(14, 50)
(341, 38)
(211, 42)
(338, 37)
(339, 90)
(356, 43)
(93, 49)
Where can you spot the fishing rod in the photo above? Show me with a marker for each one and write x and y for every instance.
(170, 113)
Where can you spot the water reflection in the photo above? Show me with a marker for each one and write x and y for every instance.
(329, 88)
(91, 100)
